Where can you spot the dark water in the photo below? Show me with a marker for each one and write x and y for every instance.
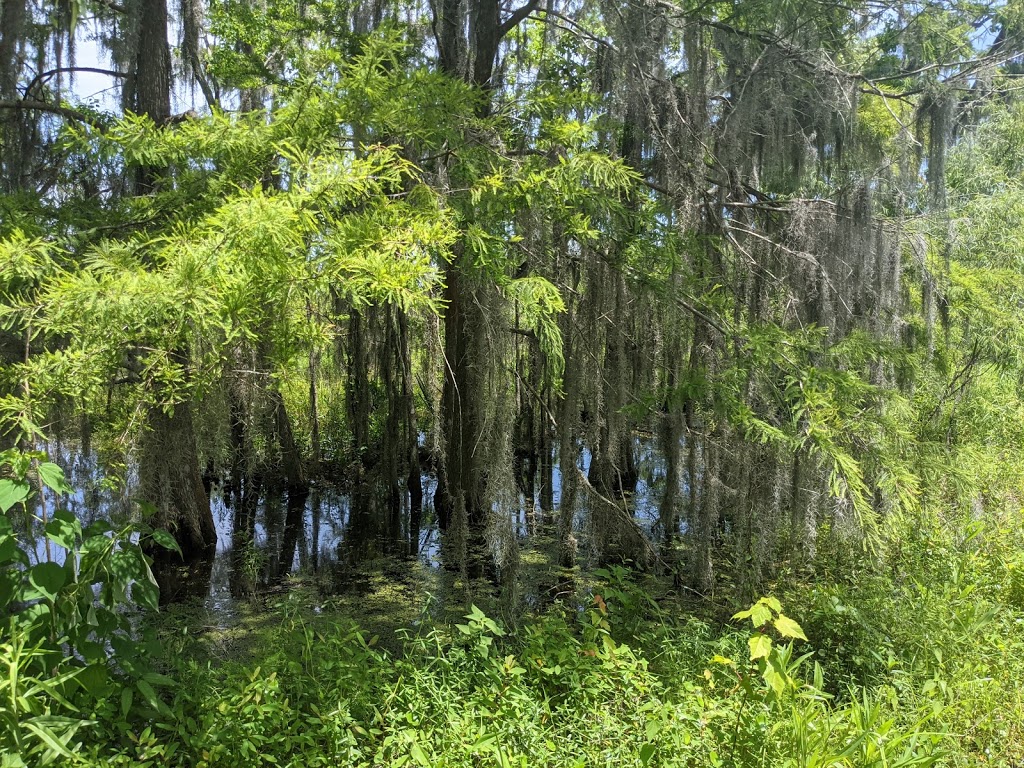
(330, 536)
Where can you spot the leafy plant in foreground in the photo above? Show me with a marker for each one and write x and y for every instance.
(64, 623)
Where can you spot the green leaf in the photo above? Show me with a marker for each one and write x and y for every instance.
(484, 742)
(8, 549)
(49, 738)
(775, 679)
(97, 528)
(760, 646)
(419, 756)
(48, 578)
(646, 753)
(12, 492)
(53, 477)
(126, 701)
(760, 614)
(165, 540)
(93, 679)
(146, 595)
(63, 529)
(148, 693)
(789, 628)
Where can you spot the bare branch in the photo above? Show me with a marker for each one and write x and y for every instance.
(54, 109)
(517, 16)
(43, 76)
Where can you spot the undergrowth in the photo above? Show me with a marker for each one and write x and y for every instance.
(916, 662)
(894, 672)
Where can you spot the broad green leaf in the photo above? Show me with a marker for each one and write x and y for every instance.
(53, 477)
(760, 614)
(775, 679)
(97, 528)
(146, 595)
(484, 742)
(155, 678)
(419, 756)
(789, 628)
(48, 578)
(165, 540)
(646, 753)
(126, 701)
(8, 548)
(12, 492)
(63, 529)
(149, 694)
(94, 678)
(760, 646)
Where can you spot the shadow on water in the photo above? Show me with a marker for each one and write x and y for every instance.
(353, 542)
(319, 533)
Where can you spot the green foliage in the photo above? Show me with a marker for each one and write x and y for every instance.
(574, 687)
(63, 620)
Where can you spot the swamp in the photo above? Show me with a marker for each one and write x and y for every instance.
(512, 383)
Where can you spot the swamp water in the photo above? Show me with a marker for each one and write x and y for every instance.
(346, 543)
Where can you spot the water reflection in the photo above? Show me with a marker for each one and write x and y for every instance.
(266, 535)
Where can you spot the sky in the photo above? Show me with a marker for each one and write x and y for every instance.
(103, 90)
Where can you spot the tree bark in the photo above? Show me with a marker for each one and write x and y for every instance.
(358, 392)
(12, 24)
(149, 84)
(170, 480)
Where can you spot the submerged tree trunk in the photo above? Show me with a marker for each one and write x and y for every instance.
(171, 481)
(613, 467)
(170, 475)
(314, 410)
(462, 488)
(414, 477)
(294, 530)
(462, 497)
(705, 522)
(672, 428)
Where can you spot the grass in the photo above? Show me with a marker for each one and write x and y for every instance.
(894, 673)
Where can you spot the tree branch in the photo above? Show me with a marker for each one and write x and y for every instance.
(54, 109)
(42, 76)
(517, 16)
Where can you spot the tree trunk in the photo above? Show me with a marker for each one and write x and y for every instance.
(314, 410)
(12, 24)
(171, 481)
(463, 493)
(149, 85)
(291, 456)
(170, 475)
(358, 391)
(414, 479)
